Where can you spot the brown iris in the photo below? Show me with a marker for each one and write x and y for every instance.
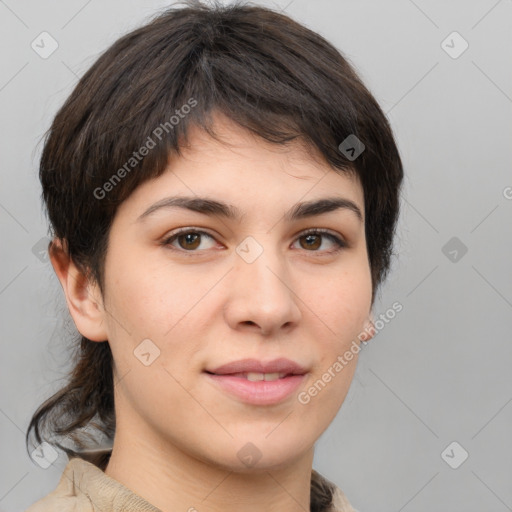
(313, 241)
(191, 239)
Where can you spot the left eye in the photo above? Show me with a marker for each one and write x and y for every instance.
(313, 240)
(192, 240)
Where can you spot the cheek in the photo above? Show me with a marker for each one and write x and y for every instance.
(343, 303)
(321, 399)
(171, 309)
(155, 297)
(342, 308)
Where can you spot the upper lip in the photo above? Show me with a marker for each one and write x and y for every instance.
(281, 365)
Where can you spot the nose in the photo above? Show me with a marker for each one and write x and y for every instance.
(261, 297)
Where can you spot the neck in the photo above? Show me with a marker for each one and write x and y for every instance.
(171, 479)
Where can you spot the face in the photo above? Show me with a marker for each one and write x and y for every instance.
(280, 292)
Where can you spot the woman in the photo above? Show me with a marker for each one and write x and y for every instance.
(223, 192)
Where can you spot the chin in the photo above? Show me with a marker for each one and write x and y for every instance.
(262, 452)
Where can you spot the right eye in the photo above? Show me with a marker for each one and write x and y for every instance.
(188, 240)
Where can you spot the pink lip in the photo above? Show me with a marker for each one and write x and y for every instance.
(260, 392)
(281, 365)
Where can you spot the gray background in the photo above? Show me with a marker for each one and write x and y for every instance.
(440, 370)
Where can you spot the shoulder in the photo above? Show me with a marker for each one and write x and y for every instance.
(84, 487)
(339, 502)
(65, 496)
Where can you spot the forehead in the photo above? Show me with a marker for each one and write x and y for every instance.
(241, 168)
(237, 144)
(234, 142)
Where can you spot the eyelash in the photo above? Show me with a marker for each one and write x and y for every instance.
(339, 242)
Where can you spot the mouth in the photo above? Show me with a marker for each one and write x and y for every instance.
(247, 367)
(255, 376)
(256, 382)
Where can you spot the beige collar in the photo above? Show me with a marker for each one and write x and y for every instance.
(83, 483)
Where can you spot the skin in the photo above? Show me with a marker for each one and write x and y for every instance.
(177, 434)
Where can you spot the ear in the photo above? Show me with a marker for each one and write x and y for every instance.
(369, 329)
(82, 296)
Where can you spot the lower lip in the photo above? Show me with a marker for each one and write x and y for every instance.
(260, 392)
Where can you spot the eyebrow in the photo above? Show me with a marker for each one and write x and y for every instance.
(209, 206)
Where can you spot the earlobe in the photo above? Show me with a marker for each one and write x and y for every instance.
(369, 330)
(83, 297)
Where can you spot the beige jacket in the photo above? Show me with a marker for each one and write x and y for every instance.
(84, 487)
